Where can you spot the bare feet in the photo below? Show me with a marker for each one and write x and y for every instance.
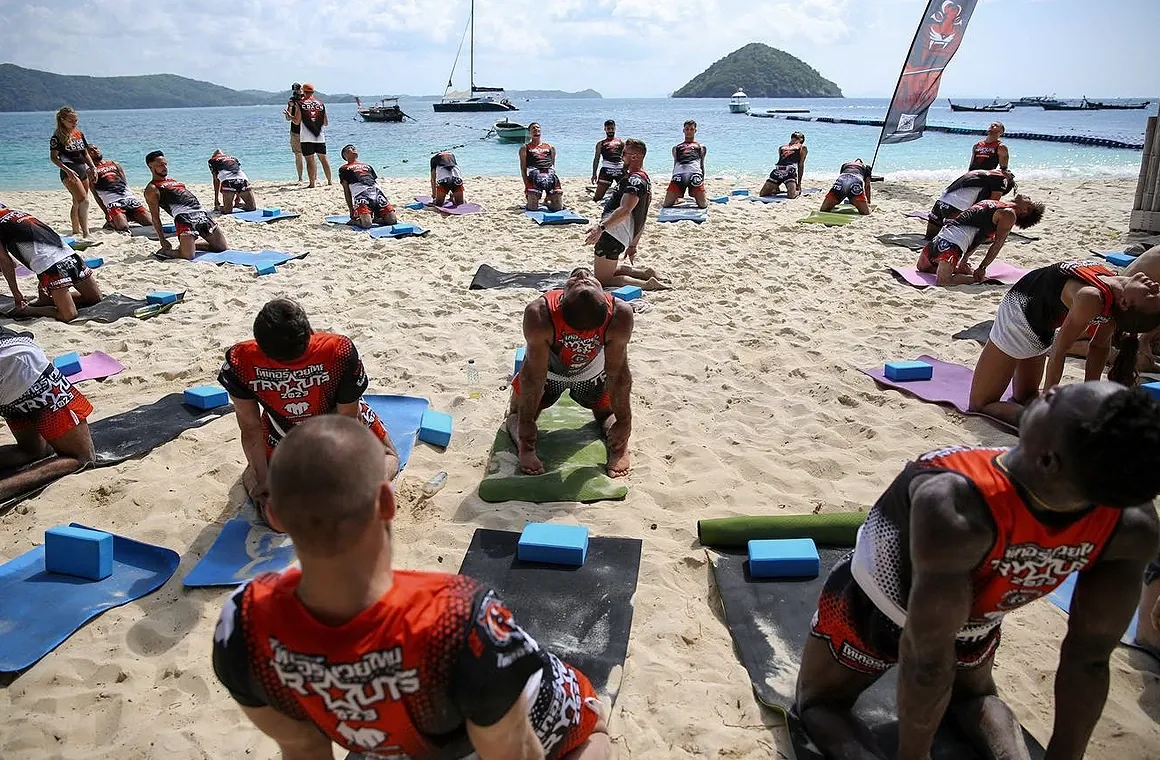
(654, 284)
(530, 464)
(618, 463)
(616, 436)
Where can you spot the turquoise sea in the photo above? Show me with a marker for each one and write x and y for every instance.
(738, 144)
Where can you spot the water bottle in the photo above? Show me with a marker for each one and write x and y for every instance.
(472, 379)
(434, 485)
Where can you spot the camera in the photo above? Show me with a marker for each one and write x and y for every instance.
(296, 91)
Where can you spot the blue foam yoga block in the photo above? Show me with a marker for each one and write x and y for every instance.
(435, 428)
(1119, 259)
(554, 544)
(909, 371)
(720, 199)
(1153, 389)
(739, 192)
(521, 352)
(206, 396)
(783, 558)
(628, 292)
(78, 551)
(555, 216)
(414, 206)
(94, 262)
(262, 269)
(271, 212)
(404, 229)
(161, 297)
(68, 364)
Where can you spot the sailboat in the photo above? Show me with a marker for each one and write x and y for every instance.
(478, 98)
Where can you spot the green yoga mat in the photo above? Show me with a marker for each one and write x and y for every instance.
(571, 446)
(829, 218)
(838, 529)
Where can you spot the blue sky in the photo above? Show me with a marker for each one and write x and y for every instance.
(623, 48)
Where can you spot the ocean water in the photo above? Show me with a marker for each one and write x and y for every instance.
(737, 144)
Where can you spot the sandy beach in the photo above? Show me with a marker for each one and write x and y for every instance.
(748, 400)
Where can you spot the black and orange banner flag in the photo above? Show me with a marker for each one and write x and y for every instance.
(938, 38)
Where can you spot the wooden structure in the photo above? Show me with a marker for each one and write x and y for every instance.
(1146, 207)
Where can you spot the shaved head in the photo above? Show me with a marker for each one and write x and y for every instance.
(325, 479)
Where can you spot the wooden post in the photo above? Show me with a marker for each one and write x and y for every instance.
(1146, 208)
(1149, 135)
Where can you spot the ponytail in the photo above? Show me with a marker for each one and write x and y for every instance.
(1123, 369)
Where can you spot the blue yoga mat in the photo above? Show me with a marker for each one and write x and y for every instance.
(343, 220)
(563, 216)
(768, 198)
(246, 258)
(245, 548)
(39, 610)
(398, 231)
(683, 214)
(257, 216)
(1061, 598)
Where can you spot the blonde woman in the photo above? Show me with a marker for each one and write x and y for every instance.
(68, 149)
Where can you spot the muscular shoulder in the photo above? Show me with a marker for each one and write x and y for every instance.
(537, 318)
(621, 323)
(951, 526)
(1136, 536)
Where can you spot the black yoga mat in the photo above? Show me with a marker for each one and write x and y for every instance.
(137, 432)
(769, 620)
(915, 241)
(980, 332)
(109, 309)
(581, 614)
(487, 277)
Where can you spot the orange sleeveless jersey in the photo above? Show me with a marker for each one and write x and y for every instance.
(575, 349)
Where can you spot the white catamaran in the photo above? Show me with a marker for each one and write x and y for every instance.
(477, 98)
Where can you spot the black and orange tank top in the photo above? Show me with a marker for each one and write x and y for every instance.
(540, 156)
(575, 349)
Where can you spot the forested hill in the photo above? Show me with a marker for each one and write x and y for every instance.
(762, 72)
(30, 90)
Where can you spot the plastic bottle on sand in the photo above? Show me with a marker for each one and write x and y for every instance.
(435, 484)
(472, 379)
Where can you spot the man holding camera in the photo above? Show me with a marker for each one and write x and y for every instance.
(310, 114)
(295, 128)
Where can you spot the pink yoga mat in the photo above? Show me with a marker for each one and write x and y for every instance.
(950, 384)
(462, 209)
(999, 273)
(96, 366)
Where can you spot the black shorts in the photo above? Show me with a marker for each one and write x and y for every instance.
(450, 183)
(590, 394)
(686, 181)
(941, 212)
(608, 247)
(194, 224)
(235, 185)
(313, 148)
(782, 174)
(82, 171)
(64, 274)
(609, 175)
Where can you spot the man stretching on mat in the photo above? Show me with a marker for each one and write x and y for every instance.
(965, 535)
(46, 415)
(607, 162)
(538, 170)
(446, 180)
(853, 184)
(577, 341)
(231, 183)
(189, 218)
(688, 170)
(367, 203)
(287, 374)
(966, 191)
(58, 269)
(111, 189)
(390, 663)
(790, 170)
(987, 221)
(621, 224)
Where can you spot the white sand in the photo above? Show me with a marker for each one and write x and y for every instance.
(747, 400)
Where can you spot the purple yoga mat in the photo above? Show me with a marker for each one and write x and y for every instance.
(999, 273)
(96, 366)
(951, 384)
(462, 209)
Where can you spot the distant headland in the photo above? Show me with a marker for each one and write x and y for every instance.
(762, 72)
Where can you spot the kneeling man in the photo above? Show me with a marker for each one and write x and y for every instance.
(287, 374)
(190, 220)
(367, 203)
(577, 341)
(965, 535)
(58, 269)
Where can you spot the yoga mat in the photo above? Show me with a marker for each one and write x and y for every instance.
(951, 384)
(343, 220)
(23, 271)
(563, 216)
(767, 198)
(684, 212)
(245, 548)
(836, 529)
(923, 215)
(396, 231)
(39, 610)
(488, 277)
(169, 229)
(463, 209)
(980, 333)
(1061, 598)
(769, 620)
(998, 273)
(80, 245)
(96, 366)
(109, 309)
(257, 216)
(583, 615)
(571, 447)
(828, 218)
(909, 240)
(246, 258)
